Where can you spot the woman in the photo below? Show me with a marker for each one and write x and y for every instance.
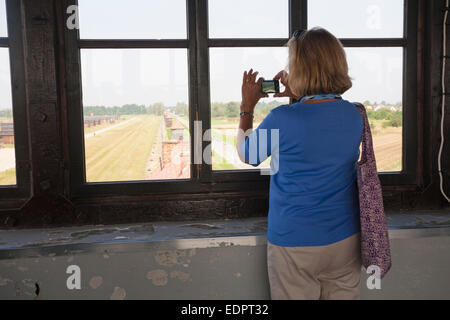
(313, 248)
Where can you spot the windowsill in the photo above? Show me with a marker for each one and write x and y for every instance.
(184, 235)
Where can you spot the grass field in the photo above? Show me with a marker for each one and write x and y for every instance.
(224, 121)
(103, 125)
(8, 177)
(218, 134)
(121, 153)
(115, 155)
(387, 142)
(186, 129)
(220, 163)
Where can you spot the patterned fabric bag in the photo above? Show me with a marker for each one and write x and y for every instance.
(375, 249)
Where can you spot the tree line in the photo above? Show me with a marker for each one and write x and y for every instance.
(394, 118)
(384, 103)
(6, 113)
(231, 109)
(222, 110)
(156, 108)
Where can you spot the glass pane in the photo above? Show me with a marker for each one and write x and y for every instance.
(7, 153)
(135, 114)
(137, 19)
(3, 27)
(227, 66)
(358, 18)
(248, 19)
(377, 83)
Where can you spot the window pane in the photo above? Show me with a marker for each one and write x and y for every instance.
(7, 153)
(135, 114)
(3, 27)
(377, 83)
(248, 19)
(137, 19)
(358, 18)
(227, 66)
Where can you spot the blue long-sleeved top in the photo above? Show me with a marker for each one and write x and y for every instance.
(314, 149)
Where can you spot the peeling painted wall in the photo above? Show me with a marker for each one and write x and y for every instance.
(224, 260)
(206, 273)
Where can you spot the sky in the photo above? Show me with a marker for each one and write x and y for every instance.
(144, 76)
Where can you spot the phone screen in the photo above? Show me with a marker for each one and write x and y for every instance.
(270, 86)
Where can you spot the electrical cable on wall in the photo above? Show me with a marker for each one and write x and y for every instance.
(444, 57)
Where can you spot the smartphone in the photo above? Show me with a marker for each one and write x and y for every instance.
(270, 86)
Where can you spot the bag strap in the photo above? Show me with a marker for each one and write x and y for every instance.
(367, 144)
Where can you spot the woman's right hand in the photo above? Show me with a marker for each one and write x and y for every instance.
(283, 77)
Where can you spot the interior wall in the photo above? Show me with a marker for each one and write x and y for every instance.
(202, 267)
(42, 112)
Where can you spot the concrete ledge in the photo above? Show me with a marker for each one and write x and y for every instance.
(220, 259)
(184, 235)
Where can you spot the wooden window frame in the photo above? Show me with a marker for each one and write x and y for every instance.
(203, 178)
(21, 190)
(50, 186)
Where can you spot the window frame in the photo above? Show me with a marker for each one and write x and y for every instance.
(408, 174)
(21, 190)
(203, 179)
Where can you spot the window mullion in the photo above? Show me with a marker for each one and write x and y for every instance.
(297, 15)
(192, 74)
(128, 43)
(21, 188)
(203, 88)
(244, 42)
(410, 148)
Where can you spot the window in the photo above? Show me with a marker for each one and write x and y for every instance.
(380, 68)
(135, 100)
(377, 72)
(147, 83)
(366, 19)
(253, 19)
(135, 114)
(7, 150)
(249, 40)
(127, 88)
(139, 19)
(3, 28)
(227, 65)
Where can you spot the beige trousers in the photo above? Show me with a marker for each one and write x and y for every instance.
(315, 272)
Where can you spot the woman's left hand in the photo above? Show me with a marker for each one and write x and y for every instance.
(251, 91)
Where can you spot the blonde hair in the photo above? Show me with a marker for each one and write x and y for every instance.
(317, 64)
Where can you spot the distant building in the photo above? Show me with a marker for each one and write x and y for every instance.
(6, 133)
(177, 133)
(379, 106)
(90, 121)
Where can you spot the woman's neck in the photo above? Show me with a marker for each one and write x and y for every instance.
(319, 101)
